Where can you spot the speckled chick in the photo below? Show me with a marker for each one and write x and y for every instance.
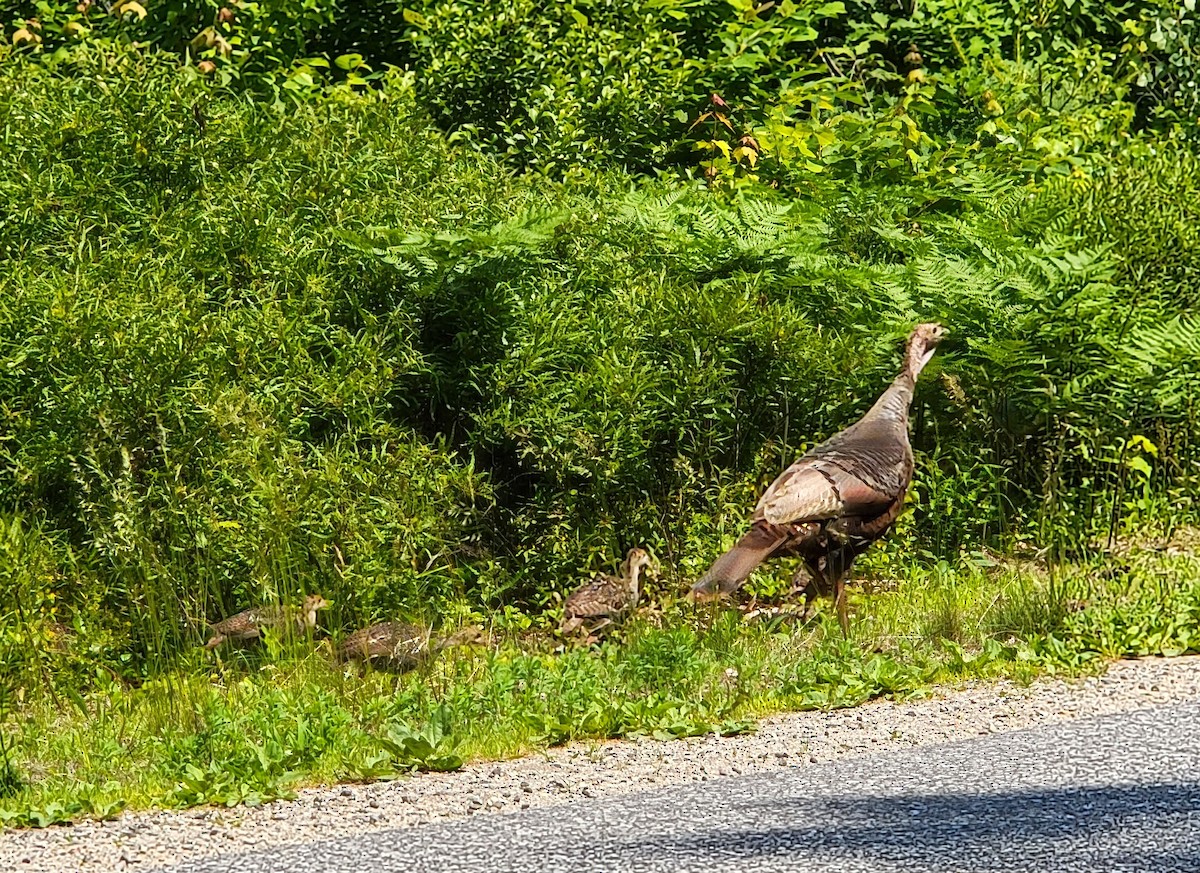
(605, 599)
(399, 645)
(248, 624)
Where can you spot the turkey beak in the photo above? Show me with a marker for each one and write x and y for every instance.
(931, 348)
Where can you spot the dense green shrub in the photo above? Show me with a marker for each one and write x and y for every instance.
(194, 418)
(616, 81)
(555, 86)
(249, 353)
(248, 45)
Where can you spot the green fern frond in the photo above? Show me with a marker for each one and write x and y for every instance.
(1168, 345)
(423, 253)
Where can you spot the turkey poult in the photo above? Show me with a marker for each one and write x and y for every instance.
(606, 598)
(248, 624)
(399, 645)
(829, 506)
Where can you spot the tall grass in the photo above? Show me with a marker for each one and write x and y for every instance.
(248, 354)
(258, 725)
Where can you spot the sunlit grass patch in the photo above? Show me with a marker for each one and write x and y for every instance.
(249, 355)
(251, 729)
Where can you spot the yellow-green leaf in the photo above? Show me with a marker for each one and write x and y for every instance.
(1143, 443)
(132, 6)
(1139, 465)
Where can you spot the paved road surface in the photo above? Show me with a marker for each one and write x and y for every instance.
(1115, 793)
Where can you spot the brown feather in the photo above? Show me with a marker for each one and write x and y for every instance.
(731, 569)
(835, 501)
(604, 599)
(399, 645)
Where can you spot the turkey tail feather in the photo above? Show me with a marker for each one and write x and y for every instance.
(730, 570)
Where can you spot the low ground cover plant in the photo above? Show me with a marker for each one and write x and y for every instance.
(254, 728)
(440, 340)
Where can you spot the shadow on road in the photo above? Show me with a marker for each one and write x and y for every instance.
(1143, 827)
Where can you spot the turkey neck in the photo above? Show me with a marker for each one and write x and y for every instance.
(635, 571)
(447, 642)
(893, 404)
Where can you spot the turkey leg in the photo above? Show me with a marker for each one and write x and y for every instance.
(839, 567)
(811, 581)
(839, 599)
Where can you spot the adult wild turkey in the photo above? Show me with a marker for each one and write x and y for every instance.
(605, 599)
(831, 504)
(398, 645)
(248, 624)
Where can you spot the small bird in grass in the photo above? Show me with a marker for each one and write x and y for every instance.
(398, 645)
(248, 624)
(831, 504)
(605, 599)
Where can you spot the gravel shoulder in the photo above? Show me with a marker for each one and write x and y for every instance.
(575, 773)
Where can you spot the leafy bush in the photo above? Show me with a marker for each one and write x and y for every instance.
(244, 361)
(178, 452)
(621, 83)
(555, 86)
(431, 748)
(248, 46)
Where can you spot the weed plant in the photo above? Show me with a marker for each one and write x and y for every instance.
(251, 729)
(248, 354)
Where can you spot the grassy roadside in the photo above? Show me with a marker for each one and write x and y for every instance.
(260, 725)
(439, 359)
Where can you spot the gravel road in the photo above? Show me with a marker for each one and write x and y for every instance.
(1065, 797)
(579, 773)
